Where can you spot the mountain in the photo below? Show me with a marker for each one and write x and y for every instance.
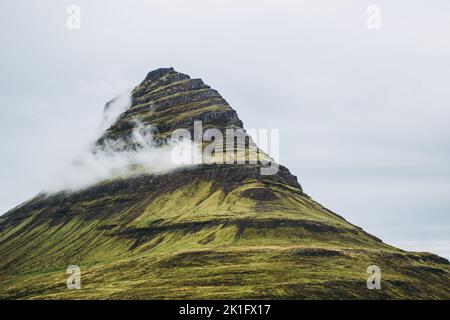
(210, 230)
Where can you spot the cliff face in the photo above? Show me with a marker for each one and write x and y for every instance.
(205, 231)
(170, 100)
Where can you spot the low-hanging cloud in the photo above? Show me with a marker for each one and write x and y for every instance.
(121, 158)
(114, 109)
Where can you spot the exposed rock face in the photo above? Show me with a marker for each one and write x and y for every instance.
(207, 231)
(171, 100)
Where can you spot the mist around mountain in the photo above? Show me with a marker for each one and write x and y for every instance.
(142, 217)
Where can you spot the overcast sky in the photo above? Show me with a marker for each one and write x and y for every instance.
(364, 115)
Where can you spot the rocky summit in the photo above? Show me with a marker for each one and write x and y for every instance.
(207, 231)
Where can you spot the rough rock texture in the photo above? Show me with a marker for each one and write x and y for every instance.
(171, 100)
(209, 231)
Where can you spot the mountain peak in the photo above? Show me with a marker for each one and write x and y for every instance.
(170, 100)
(158, 73)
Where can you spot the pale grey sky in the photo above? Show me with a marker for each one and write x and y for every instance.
(364, 115)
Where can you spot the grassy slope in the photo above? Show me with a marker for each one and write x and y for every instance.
(204, 240)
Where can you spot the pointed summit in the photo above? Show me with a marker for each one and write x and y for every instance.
(158, 73)
(169, 100)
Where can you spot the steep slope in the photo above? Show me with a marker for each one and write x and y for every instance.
(204, 231)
